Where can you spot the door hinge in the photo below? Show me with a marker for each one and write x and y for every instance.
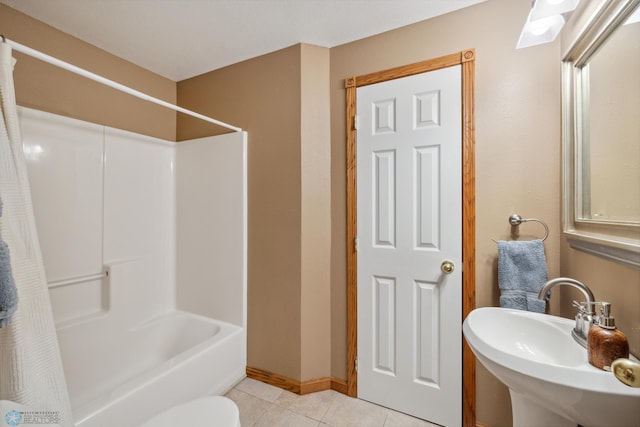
(355, 244)
(355, 122)
(356, 364)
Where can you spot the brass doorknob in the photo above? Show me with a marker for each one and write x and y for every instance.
(447, 267)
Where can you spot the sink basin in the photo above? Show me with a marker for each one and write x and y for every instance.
(548, 374)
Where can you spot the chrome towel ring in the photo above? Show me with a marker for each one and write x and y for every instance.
(516, 220)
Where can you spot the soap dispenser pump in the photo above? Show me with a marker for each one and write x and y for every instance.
(605, 343)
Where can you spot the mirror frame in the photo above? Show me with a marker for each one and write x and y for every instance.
(591, 24)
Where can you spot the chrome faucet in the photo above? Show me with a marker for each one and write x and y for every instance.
(586, 313)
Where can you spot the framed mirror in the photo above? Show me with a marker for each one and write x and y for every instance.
(601, 130)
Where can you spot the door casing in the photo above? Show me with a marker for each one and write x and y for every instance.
(466, 59)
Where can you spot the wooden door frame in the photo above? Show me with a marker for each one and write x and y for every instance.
(466, 59)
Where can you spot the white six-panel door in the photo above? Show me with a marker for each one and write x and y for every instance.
(409, 222)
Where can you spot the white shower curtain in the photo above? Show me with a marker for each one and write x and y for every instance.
(31, 371)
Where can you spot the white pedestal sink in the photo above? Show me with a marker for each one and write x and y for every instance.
(548, 374)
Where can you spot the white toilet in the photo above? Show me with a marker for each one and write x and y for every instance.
(211, 411)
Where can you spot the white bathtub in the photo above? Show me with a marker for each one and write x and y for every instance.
(124, 378)
(168, 223)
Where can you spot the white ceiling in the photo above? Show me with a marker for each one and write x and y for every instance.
(179, 39)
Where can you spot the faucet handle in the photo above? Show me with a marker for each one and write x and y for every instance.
(605, 309)
(585, 307)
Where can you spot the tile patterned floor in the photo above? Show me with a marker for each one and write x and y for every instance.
(262, 405)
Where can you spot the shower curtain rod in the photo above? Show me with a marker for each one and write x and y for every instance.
(115, 85)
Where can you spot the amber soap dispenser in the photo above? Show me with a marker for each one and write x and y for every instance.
(605, 343)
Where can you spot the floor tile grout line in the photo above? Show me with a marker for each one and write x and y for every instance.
(273, 397)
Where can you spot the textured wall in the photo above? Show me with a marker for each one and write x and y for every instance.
(48, 88)
(517, 146)
(518, 138)
(263, 96)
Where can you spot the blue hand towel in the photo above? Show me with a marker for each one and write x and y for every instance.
(8, 291)
(522, 270)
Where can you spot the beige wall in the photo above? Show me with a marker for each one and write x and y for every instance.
(263, 96)
(48, 88)
(609, 281)
(297, 177)
(315, 144)
(517, 146)
(282, 100)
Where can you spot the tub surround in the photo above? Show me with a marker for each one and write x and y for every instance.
(105, 207)
(211, 217)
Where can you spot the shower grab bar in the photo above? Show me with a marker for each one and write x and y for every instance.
(516, 220)
(79, 279)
